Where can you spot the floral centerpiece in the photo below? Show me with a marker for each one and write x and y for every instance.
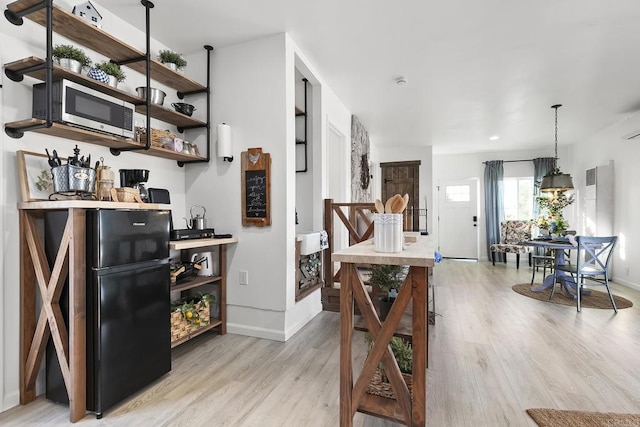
(551, 217)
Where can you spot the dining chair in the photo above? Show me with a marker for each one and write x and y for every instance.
(512, 234)
(541, 257)
(593, 263)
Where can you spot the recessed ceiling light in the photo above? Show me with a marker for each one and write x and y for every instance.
(494, 138)
(401, 81)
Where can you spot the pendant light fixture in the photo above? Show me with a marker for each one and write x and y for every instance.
(555, 180)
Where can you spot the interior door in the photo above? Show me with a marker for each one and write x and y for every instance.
(458, 219)
(403, 178)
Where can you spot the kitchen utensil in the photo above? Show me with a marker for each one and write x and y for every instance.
(184, 108)
(387, 205)
(196, 221)
(56, 159)
(398, 204)
(206, 262)
(379, 206)
(155, 95)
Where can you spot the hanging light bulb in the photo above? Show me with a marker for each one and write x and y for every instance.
(555, 180)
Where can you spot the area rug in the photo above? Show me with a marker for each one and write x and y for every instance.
(597, 299)
(560, 418)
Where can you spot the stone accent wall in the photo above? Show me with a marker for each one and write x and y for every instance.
(359, 147)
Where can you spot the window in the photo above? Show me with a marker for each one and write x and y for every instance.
(457, 193)
(518, 198)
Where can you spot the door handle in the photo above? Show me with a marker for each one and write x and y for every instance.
(386, 180)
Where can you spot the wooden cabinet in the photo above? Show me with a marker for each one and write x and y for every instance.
(220, 280)
(82, 32)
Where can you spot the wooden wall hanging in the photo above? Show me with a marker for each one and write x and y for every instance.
(256, 188)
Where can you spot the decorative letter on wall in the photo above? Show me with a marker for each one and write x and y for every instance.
(256, 188)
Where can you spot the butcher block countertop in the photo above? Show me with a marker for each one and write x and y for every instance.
(89, 204)
(419, 253)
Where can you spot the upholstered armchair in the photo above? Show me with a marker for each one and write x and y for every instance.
(512, 234)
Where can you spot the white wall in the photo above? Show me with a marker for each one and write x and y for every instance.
(400, 154)
(465, 166)
(598, 150)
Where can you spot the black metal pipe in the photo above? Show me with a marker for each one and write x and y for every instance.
(305, 129)
(209, 48)
(116, 151)
(181, 94)
(49, 65)
(130, 61)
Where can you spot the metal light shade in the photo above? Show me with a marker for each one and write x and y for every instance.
(556, 182)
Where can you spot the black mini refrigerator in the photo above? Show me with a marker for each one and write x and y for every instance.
(128, 325)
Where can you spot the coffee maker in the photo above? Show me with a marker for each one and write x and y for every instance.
(135, 178)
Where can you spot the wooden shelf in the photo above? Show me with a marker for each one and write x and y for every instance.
(83, 135)
(80, 31)
(194, 282)
(306, 291)
(157, 111)
(200, 243)
(213, 323)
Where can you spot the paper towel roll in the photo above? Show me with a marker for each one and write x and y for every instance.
(224, 141)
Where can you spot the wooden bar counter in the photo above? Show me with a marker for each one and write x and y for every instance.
(405, 409)
(35, 273)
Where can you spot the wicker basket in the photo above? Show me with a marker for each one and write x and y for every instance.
(381, 388)
(156, 134)
(181, 328)
(126, 195)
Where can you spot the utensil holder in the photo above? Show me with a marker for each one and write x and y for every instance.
(387, 232)
(73, 179)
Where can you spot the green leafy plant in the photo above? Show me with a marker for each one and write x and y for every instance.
(170, 57)
(402, 352)
(387, 277)
(68, 51)
(551, 216)
(112, 69)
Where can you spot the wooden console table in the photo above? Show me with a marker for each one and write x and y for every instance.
(353, 397)
(35, 271)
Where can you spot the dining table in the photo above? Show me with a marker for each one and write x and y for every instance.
(559, 246)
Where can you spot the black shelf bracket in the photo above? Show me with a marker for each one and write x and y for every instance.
(304, 142)
(207, 90)
(16, 17)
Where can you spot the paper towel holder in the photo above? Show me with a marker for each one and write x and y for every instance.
(224, 142)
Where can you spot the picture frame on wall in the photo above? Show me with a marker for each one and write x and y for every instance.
(34, 176)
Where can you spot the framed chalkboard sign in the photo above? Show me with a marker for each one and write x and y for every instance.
(256, 188)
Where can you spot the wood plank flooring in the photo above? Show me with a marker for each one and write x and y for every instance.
(492, 354)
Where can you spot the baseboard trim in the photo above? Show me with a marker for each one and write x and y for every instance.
(10, 400)
(256, 332)
(626, 283)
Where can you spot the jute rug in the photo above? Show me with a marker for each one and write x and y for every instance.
(559, 418)
(597, 299)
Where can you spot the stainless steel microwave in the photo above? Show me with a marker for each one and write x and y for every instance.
(77, 105)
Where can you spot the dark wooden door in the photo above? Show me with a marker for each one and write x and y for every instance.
(403, 178)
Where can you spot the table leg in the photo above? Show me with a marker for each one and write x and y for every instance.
(77, 315)
(419, 343)
(27, 311)
(346, 331)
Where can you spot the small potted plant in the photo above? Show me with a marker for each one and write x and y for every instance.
(71, 57)
(112, 70)
(389, 279)
(402, 352)
(173, 60)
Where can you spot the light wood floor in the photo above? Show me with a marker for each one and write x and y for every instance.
(493, 354)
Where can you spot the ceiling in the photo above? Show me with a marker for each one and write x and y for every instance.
(474, 69)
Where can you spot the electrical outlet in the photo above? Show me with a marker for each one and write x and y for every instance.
(244, 277)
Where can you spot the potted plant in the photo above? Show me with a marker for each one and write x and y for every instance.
(402, 352)
(388, 278)
(551, 213)
(173, 60)
(112, 70)
(71, 57)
